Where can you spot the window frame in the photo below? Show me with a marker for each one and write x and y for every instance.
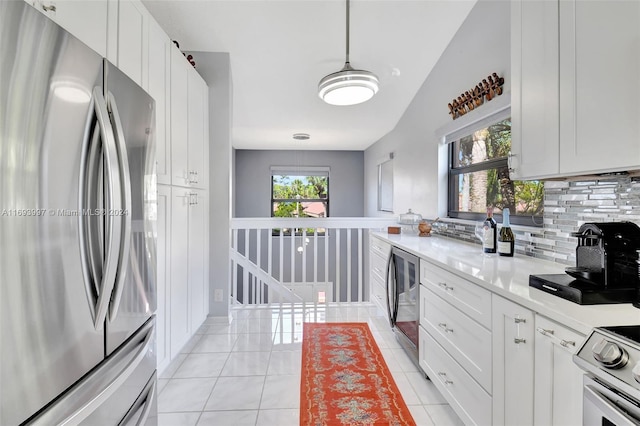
(453, 174)
(301, 171)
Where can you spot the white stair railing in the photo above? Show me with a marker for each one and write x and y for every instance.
(299, 259)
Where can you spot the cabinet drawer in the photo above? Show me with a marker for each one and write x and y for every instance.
(378, 265)
(466, 397)
(466, 340)
(381, 248)
(378, 295)
(562, 336)
(470, 298)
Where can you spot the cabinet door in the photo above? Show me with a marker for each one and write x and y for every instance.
(162, 277)
(158, 79)
(534, 89)
(179, 118)
(513, 352)
(179, 293)
(600, 86)
(132, 54)
(196, 129)
(198, 256)
(86, 20)
(558, 386)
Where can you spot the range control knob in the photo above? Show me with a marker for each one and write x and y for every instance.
(609, 354)
(636, 372)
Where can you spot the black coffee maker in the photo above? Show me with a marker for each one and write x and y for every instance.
(606, 268)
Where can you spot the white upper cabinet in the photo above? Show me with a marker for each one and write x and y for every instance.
(575, 84)
(189, 124)
(86, 20)
(599, 86)
(158, 87)
(198, 130)
(132, 39)
(179, 118)
(534, 89)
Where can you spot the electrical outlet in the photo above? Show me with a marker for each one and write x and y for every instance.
(217, 295)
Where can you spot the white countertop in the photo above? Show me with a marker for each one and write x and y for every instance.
(509, 277)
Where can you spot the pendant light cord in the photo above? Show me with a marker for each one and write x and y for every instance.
(347, 58)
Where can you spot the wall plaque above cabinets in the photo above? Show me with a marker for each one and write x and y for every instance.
(485, 90)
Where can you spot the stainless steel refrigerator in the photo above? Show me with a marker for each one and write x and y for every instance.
(77, 227)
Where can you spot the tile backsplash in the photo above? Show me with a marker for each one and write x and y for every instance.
(567, 205)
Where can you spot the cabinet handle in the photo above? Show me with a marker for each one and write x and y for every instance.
(545, 332)
(443, 326)
(519, 320)
(517, 341)
(444, 285)
(444, 379)
(567, 343)
(193, 199)
(510, 156)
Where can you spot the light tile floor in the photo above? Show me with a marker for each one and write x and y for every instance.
(248, 372)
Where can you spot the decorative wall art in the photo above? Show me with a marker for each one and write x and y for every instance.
(486, 90)
(189, 57)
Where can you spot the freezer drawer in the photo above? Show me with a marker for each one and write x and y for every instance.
(122, 390)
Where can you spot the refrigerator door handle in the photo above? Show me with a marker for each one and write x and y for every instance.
(88, 189)
(113, 196)
(125, 215)
(143, 404)
(96, 388)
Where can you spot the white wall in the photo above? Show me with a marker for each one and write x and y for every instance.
(252, 183)
(216, 71)
(479, 48)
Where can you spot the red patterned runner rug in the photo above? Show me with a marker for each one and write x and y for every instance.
(345, 380)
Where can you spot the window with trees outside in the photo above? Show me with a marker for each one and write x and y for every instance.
(300, 192)
(479, 178)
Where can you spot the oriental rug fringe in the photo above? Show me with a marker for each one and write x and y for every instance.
(345, 380)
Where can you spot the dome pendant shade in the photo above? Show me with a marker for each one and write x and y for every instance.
(348, 86)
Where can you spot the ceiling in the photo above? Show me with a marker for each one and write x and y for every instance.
(279, 51)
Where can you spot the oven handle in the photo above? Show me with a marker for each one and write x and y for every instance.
(390, 282)
(609, 410)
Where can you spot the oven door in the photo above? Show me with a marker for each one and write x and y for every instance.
(403, 297)
(606, 406)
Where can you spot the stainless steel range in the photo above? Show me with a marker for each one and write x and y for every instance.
(611, 392)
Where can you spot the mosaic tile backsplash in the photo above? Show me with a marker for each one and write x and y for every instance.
(567, 205)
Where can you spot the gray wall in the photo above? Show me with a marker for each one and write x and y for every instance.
(215, 70)
(252, 184)
(479, 48)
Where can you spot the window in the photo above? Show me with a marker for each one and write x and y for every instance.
(385, 185)
(479, 178)
(300, 192)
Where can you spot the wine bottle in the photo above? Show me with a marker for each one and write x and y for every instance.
(506, 239)
(490, 230)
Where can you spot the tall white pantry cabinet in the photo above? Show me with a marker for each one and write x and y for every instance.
(126, 34)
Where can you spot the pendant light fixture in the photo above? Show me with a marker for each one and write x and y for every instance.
(348, 86)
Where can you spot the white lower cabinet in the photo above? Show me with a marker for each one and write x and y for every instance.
(558, 380)
(198, 253)
(513, 352)
(189, 272)
(514, 369)
(469, 400)
(455, 341)
(163, 251)
(379, 252)
(465, 339)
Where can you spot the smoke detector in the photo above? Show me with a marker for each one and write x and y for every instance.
(301, 136)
